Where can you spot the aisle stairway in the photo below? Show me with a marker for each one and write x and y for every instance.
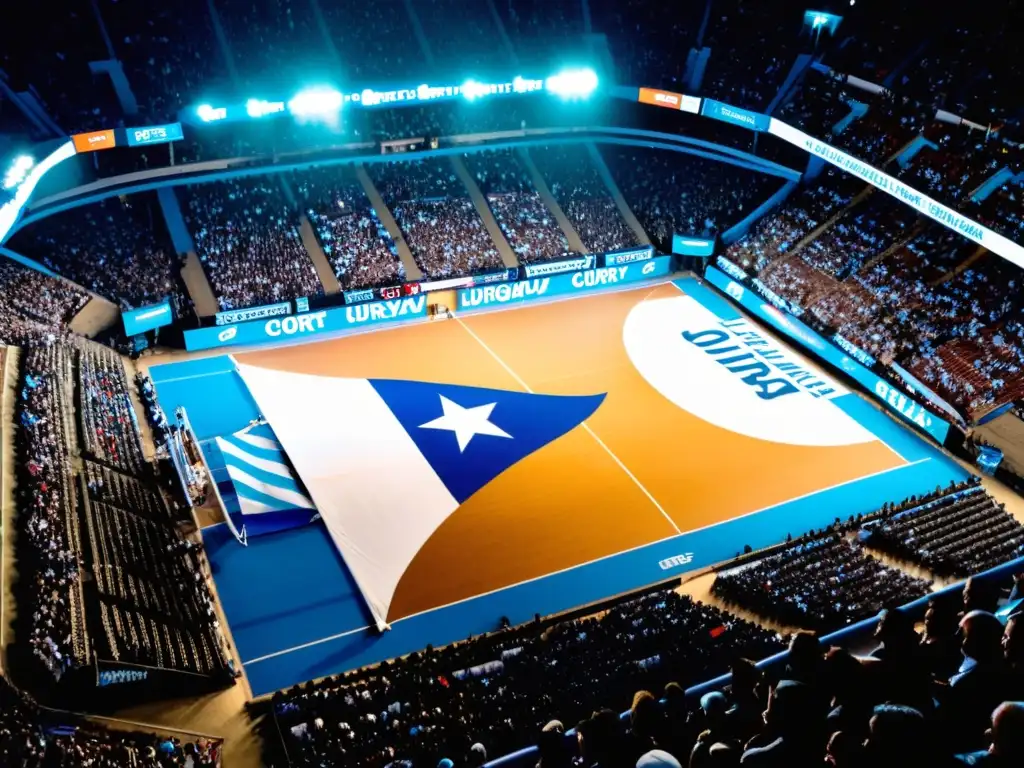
(620, 202)
(508, 256)
(324, 270)
(412, 269)
(571, 235)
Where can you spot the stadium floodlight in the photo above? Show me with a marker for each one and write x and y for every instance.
(572, 83)
(522, 85)
(261, 108)
(208, 114)
(18, 171)
(319, 102)
(471, 89)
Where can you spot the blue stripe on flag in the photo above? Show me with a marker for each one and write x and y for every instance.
(261, 478)
(267, 454)
(272, 480)
(249, 494)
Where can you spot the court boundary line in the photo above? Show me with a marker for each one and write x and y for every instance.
(515, 307)
(313, 643)
(192, 376)
(583, 424)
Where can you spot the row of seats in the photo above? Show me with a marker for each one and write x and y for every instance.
(822, 583)
(967, 534)
(126, 492)
(34, 737)
(51, 602)
(500, 689)
(110, 430)
(110, 563)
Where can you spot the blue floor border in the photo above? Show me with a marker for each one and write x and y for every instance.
(296, 614)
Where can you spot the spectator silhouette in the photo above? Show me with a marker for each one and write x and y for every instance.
(1007, 737)
(793, 738)
(646, 724)
(939, 647)
(552, 746)
(981, 685)
(601, 740)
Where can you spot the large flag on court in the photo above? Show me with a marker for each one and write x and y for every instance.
(270, 497)
(387, 461)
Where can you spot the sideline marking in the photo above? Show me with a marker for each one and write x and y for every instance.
(192, 376)
(584, 424)
(302, 647)
(590, 562)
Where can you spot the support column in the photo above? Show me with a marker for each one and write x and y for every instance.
(323, 267)
(194, 277)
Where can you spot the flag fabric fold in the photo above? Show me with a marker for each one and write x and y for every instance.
(269, 496)
(386, 462)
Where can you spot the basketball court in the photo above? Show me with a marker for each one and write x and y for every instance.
(662, 430)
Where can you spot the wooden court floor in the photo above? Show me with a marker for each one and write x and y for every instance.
(639, 470)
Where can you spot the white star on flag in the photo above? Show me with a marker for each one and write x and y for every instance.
(466, 423)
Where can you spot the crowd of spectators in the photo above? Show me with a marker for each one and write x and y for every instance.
(355, 242)
(463, 39)
(778, 232)
(377, 43)
(103, 567)
(954, 535)
(31, 737)
(118, 248)
(247, 237)
(170, 55)
(527, 223)
(858, 236)
(445, 233)
(275, 44)
(542, 31)
(110, 432)
(901, 287)
(51, 605)
(55, 68)
(672, 192)
(822, 582)
(753, 46)
(34, 306)
(643, 33)
(577, 186)
(498, 690)
(945, 698)
(915, 699)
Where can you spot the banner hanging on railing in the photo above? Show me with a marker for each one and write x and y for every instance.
(147, 318)
(357, 297)
(730, 114)
(308, 324)
(669, 99)
(253, 313)
(925, 205)
(631, 256)
(154, 134)
(557, 267)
